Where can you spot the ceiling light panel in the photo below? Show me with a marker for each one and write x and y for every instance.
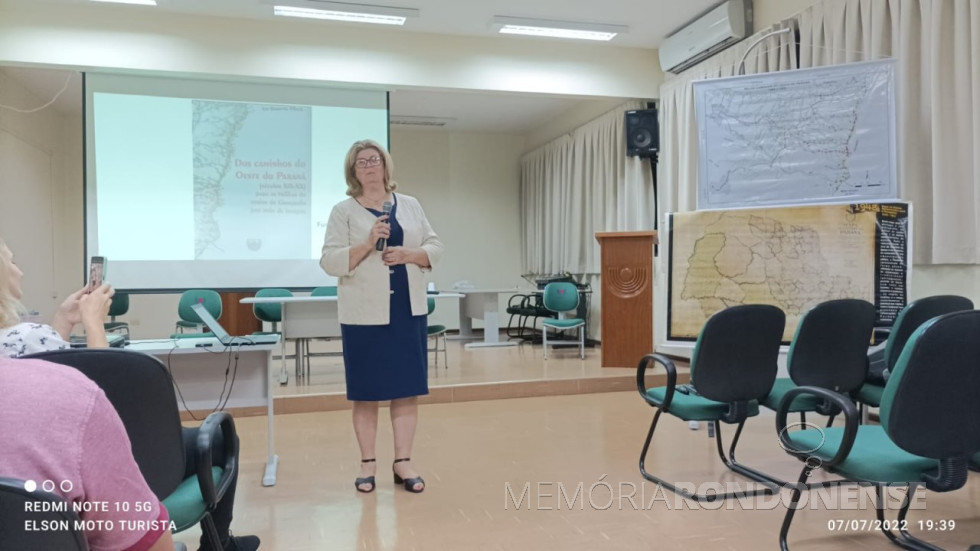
(342, 11)
(139, 2)
(557, 29)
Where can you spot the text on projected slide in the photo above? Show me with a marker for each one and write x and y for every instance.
(251, 180)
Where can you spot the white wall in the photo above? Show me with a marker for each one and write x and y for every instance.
(34, 155)
(468, 185)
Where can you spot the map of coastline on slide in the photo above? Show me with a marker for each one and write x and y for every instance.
(251, 180)
(804, 136)
(792, 258)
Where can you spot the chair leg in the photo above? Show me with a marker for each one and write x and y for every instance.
(902, 525)
(209, 529)
(436, 352)
(445, 351)
(581, 341)
(767, 490)
(299, 358)
(306, 359)
(791, 510)
(757, 475)
(734, 465)
(906, 541)
(544, 339)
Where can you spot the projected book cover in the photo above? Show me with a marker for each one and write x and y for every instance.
(793, 258)
(251, 180)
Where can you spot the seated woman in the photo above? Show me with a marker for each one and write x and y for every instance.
(86, 306)
(77, 438)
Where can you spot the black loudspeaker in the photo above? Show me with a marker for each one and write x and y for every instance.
(642, 133)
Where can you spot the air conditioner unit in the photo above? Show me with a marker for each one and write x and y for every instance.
(707, 35)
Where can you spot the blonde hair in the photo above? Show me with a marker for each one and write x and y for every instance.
(10, 307)
(354, 187)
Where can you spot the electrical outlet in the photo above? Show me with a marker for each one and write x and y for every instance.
(134, 322)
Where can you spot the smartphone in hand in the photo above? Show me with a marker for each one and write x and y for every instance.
(96, 273)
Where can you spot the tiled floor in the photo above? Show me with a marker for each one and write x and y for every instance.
(479, 365)
(478, 457)
(476, 374)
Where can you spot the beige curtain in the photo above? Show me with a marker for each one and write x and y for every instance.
(577, 185)
(937, 44)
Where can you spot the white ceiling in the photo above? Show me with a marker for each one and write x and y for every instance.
(649, 22)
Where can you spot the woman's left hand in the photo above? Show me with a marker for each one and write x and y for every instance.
(68, 311)
(398, 255)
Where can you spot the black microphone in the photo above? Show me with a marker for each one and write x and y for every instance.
(382, 242)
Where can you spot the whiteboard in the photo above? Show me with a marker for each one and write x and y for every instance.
(804, 136)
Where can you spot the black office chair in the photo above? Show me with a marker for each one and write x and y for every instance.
(733, 367)
(140, 388)
(914, 314)
(924, 438)
(526, 309)
(829, 350)
(14, 514)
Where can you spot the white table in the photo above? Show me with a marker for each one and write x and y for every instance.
(302, 318)
(307, 317)
(483, 304)
(199, 374)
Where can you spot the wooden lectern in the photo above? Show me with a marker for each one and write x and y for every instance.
(627, 296)
(237, 318)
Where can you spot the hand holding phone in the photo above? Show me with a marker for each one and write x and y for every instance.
(96, 273)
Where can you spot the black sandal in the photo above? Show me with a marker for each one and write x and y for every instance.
(408, 482)
(365, 480)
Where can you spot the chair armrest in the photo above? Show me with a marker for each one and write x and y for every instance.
(851, 418)
(668, 365)
(217, 421)
(522, 301)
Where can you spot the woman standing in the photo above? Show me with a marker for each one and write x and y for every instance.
(382, 304)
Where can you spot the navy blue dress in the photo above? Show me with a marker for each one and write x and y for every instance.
(385, 362)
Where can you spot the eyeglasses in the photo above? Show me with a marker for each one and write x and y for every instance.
(370, 161)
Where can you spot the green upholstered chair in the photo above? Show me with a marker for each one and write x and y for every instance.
(909, 319)
(119, 306)
(436, 332)
(303, 344)
(561, 297)
(326, 291)
(922, 441)
(188, 318)
(733, 367)
(829, 350)
(140, 388)
(270, 312)
(18, 507)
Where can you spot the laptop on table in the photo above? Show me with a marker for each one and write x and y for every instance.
(223, 336)
(115, 341)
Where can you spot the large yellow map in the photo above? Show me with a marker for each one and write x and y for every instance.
(793, 258)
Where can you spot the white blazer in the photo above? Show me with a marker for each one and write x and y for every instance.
(363, 294)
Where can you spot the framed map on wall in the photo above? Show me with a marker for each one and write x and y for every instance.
(790, 257)
(805, 136)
